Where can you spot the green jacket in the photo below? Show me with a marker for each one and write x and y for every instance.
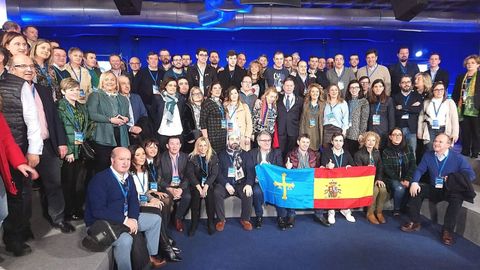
(68, 120)
(100, 111)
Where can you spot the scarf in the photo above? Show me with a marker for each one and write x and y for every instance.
(170, 103)
(235, 154)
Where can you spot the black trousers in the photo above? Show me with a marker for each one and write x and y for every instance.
(102, 157)
(287, 143)
(221, 193)
(470, 135)
(182, 204)
(352, 146)
(49, 169)
(18, 219)
(436, 195)
(195, 206)
(73, 183)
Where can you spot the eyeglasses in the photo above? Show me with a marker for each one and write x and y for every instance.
(266, 140)
(133, 63)
(397, 135)
(354, 87)
(24, 66)
(247, 82)
(197, 94)
(438, 89)
(202, 54)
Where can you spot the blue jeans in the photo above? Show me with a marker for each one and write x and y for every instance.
(122, 247)
(411, 138)
(399, 194)
(258, 200)
(3, 202)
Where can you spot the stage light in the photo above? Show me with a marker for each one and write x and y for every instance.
(419, 53)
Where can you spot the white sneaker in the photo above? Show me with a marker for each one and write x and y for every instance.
(347, 213)
(331, 216)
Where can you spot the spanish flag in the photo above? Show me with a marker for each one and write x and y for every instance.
(339, 188)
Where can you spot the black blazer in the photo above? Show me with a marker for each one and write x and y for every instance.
(143, 83)
(457, 90)
(396, 72)
(289, 122)
(158, 105)
(442, 75)
(195, 171)
(226, 81)
(190, 131)
(362, 158)
(224, 162)
(165, 170)
(55, 125)
(193, 77)
(251, 160)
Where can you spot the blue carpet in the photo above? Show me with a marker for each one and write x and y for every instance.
(309, 245)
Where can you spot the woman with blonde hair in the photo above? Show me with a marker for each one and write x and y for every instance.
(255, 71)
(369, 155)
(109, 111)
(312, 116)
(335, 114)
(40, 54)
(239, 118)
(191, 119)
(202, 171)
(423, 84)
(265, 112)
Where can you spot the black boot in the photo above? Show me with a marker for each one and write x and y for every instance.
(166, 248)
(211, 227)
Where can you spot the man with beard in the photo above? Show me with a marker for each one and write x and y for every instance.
(176, 71)
(403, 67)
(164, 55)
(288, 63)
(354, 60)
(232, 181)
(214, 58)
(315, 73)
(186, 61)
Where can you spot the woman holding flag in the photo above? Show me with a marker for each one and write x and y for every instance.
(336, 157)
(369, 155)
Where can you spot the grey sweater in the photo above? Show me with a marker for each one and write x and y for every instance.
(359, 110)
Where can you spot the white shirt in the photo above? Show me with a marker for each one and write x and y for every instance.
(292, 100)
(172, 129)
(141, 182)
(30, 117)
(119, 176)
(441, 157)
(442, 112)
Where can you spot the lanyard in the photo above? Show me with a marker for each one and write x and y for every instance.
(59, 73)
(331, 108)
(406, 99)
(142, 183)
(336, 160)
(123, 189)
(79, 79)
(435, 109)
(377, 108)
(204, 166)
(370, 75)
(220, 107)
(372, 161)
(76, 123)
(153, 78)
(440, 169)
(44, 72)
(233, 113)
(341, 74)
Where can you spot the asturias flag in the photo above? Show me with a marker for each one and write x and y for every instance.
(317, 187)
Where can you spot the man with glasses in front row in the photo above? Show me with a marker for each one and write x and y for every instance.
(264, 154)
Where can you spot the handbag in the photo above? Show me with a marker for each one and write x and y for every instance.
(86, 151)
(102, 234)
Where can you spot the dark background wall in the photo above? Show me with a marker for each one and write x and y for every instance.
(453, 47)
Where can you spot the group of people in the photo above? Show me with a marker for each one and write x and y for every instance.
(142, 147)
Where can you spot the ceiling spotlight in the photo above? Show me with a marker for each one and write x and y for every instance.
(419, 53)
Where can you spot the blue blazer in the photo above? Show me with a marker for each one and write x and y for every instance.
(105, 199)
(138, 107)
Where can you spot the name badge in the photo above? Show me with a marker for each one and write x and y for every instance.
(154, 186)
(204, 180)
(312, 122)
(230, 127)
(155, 89)
(175, 181)
(341, 85)
(239, 175)
(143, 199)
(439, 182)
(405, 116)
(82, 93)
(435, 124)
(79, 137)
(376, 119)
(231, 172)
(224, 124)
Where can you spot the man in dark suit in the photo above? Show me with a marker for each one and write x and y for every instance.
(172, 178)
(112, 196)
(232, 75)
(263, 154)
(232, 181)
(403, 67)
(289, 108)
(315, 74)
(201, 74)
(148, 80)
(436, 73)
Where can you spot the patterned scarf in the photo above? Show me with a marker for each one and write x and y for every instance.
(170, 103)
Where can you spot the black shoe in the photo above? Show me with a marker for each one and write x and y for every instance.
(258, 222)
(64, 226)
(281, 224)
(18, 249)
(170, 254)
(290, 222)
(475, 155)
(176, 250)
(322, 220)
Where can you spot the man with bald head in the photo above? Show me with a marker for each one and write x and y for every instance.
(135, 65)
(447, 170)
(112, 197)
(20, 112)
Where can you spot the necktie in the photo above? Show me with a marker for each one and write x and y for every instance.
(287, 103)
